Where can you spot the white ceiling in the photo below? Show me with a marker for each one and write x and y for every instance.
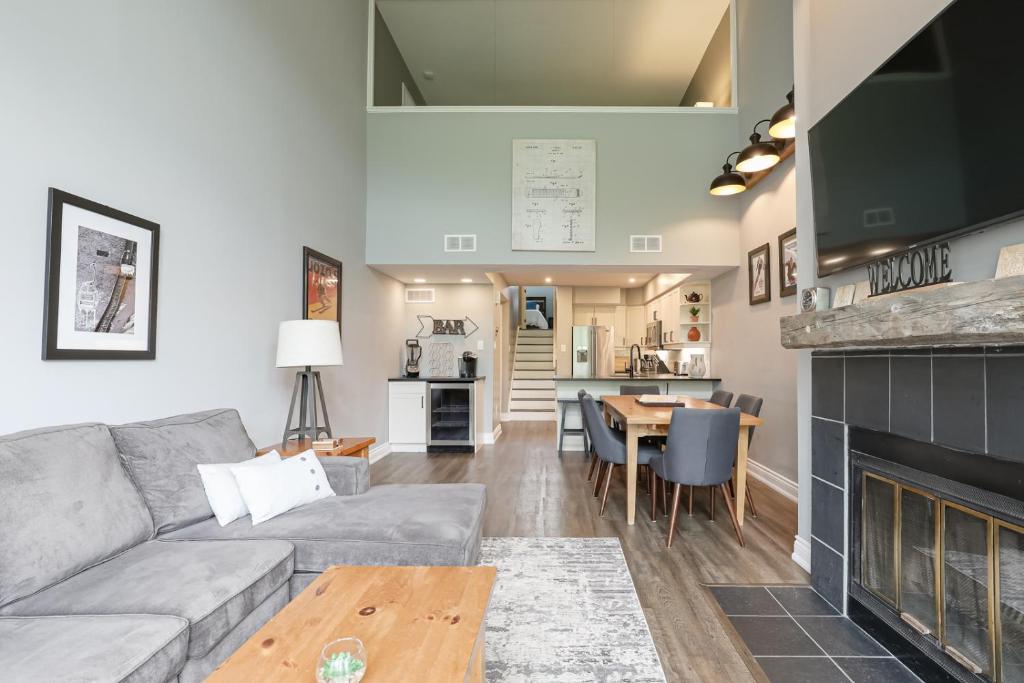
(553, 52)
(578, 276)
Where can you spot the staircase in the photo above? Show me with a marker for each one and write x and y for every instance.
(533, 372)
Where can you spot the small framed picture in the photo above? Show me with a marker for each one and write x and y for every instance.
(759, 265)
(321, 286)
(787, 263)
(101, 282)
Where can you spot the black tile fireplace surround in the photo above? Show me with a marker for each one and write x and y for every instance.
(946, 421)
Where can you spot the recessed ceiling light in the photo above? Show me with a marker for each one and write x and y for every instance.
(704, 104)
(428, 75)
(632, 279)
(467, 280)
(419, 280)
(547, 279)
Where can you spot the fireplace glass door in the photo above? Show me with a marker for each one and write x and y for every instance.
(878, 570)
(919, 560)
(966, 582)
(1011, 602)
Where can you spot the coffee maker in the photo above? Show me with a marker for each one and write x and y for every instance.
(467, 364)
(413, 352)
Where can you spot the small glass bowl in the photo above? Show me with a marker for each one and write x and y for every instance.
(342, 661)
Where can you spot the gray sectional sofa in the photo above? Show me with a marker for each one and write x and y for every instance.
(114, 568)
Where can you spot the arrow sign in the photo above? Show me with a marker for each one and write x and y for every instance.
(445, 326)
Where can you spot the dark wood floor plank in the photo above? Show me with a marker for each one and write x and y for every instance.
(531, 492)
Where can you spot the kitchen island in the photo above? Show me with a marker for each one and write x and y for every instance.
(567, 388)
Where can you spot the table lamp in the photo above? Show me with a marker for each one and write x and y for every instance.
(305, 344)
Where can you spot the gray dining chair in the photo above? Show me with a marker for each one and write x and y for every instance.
(751, 405)
(588, 443)
(701, 451)
(638, 389)
(610, 446)
(721, 398)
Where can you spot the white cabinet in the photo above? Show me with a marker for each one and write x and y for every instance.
(668, 313)
(407, 414)
(621, 333)
(636, 325)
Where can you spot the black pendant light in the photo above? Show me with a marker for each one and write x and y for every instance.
(729, 182)
(783, 123)
(757, 156)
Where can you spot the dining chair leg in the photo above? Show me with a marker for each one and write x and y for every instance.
(750, 503)
(732, 516)
(652, 481)
(664, 496)
(597, 479)
(689, 502)
(607, 485)
(593, 463)
(677, 493)
(711, 502)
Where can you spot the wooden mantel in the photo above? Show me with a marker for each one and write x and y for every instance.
(988, 312)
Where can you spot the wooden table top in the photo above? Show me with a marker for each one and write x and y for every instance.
(632, 412)
(349, 445)
(416, 623)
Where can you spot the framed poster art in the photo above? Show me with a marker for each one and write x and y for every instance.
(321, 286)
(553, 195)
(101, 282)
(787, 263)
(760, 276)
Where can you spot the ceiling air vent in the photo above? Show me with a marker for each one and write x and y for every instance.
(460, 242)
(645, 244)
(419, 295)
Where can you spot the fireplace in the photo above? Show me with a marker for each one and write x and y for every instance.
(936, 551)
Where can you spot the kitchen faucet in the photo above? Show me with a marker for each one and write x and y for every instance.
(638, 358)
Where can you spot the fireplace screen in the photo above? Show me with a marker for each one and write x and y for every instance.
(954, 574)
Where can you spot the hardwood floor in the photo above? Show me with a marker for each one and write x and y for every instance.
(531, 492)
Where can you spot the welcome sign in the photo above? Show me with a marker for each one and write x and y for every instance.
(927, 265)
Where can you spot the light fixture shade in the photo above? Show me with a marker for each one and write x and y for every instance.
(783, 123)
(757, 156)
(308, 342)
(729, 182)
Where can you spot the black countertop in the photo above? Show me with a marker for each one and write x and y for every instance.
(663, 377)
(436, 379)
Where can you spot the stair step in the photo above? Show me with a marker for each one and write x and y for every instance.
(533, 374)
(533, 384)
(535, 352)
(536, 333)
(533, 341)
(532, 405)
(534, 365)
(519, 394)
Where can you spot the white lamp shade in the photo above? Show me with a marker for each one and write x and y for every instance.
(308, 342)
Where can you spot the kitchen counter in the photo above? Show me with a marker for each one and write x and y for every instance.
(437, 379)
(662, 377)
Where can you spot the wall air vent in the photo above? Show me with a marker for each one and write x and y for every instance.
(419, 295)
(460, 242)
(645, 244)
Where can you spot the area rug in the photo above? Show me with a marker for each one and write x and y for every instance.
(565, 610)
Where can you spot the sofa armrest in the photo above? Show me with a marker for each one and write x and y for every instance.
(348, 476)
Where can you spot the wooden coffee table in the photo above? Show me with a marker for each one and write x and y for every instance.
(417, 624)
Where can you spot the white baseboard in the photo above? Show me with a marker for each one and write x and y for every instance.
(505, 417)
(406, 448)
(379, 452)
(802, 553)
(773, 480)
(488, 439)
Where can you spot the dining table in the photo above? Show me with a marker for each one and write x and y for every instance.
(653, 420)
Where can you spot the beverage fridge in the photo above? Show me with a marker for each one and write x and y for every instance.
(593, 351)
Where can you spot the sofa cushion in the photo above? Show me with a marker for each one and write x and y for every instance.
(212, 584)
(125, 648)
(398, 524)
(65, 505)
(162, 456)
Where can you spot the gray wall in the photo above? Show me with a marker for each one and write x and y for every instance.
(831, 58)
(745, 338)
(712, 81)
(389, 68)
(237, 125)
(431, 173)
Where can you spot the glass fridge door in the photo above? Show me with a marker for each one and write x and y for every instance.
(451, 416)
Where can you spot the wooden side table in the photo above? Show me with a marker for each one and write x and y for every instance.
(355, 446)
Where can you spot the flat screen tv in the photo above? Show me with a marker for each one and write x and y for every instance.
(930, 145)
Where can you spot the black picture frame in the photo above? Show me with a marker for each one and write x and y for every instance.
(57, 200)
(759, 258)
(784, 239)
(309, 257)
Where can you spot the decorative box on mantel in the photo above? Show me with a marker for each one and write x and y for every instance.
(983, 313)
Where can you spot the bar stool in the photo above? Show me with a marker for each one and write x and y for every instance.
(581, 430)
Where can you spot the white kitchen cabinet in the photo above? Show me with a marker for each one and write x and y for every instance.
(636, 325)
(668, 313)
(621, 327)
(407, 415)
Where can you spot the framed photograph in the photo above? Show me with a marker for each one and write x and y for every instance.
(321, 286)
(787, 263)
(101, 282)
(759, 265)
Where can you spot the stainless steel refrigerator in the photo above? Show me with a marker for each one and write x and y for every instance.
(593, 353)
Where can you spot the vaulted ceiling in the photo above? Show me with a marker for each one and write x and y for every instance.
(552, 52)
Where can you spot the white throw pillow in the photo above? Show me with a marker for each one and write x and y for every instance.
(269, 491)
(222, 489)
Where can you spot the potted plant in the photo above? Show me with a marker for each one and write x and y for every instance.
(694, 314)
